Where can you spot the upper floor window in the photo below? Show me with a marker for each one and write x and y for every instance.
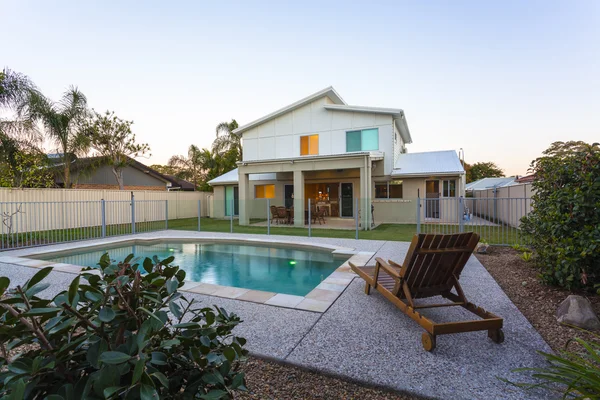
(364, 140)
(449, 188)
(264, 191)
(309, 145)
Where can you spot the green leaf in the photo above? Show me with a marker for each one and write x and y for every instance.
(93, 296)
(38, 287)
(147, 392)
(137, 371)
(109, 391)
(175, 309)
(214, 378)
(18, 390)
(172, 285)
(4, 284)
(41, 274)
(214, 394)
(73, 289)
(159, 358)
(148, 265)
(229, 354)
(161, 378)
(42, 311)
(128, 258)
(114, 357)
(238, 381)
(106, 314)
(167, 260)
(187, 325)
(150, 314)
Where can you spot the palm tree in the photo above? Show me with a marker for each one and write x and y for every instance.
(62, 122)
(228, 142)
(189, 167)
(14, 90)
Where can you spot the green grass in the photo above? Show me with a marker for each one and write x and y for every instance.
(394, 232)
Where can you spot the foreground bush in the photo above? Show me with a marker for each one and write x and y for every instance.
(110, 336)
(576, 375)
(564, 226)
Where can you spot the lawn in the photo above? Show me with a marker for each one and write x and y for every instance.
(395, 232)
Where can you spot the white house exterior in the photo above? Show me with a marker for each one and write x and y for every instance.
(322, 149)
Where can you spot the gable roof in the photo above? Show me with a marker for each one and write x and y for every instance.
(444, 162)
(329, 92)
(396, 113)
(490, 183)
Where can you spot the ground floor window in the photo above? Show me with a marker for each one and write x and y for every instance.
(264, 191)
(388, 190)
(449, 188)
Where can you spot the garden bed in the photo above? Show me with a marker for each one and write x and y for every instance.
(269, 380)
(537, 301)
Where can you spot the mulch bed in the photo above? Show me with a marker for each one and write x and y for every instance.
(268, 380)
(537, 301)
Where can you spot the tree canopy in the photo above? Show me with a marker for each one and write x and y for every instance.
(113, 139)
(482, 170)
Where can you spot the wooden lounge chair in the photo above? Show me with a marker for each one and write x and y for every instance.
(432, 267)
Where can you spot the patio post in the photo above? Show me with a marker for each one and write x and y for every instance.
(268, 216)
(418, 214)
(299, 204)
(309, 221)
(231, 216)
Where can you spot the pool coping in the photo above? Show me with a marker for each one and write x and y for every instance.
(317, 300)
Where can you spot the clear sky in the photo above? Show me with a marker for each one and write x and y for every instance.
(500, 79)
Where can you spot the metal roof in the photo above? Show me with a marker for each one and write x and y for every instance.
(490, 183)
(232, 177)
(428, 163)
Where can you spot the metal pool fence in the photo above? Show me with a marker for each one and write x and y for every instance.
(496, 220)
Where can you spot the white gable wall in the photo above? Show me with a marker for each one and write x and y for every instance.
(280, 137)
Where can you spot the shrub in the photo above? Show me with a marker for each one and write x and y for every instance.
(575, 374)
(110, 336)
(564, 225)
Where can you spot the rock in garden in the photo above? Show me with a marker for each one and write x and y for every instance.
(482, 248)
(577, 311)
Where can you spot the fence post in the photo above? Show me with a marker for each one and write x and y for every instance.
(199, 214)
(231, 216)
(418, 214)
(166, 214)
(268, 216)
(356, 218)
(309, 219)
(461, 214)
(103, 216)
(132, 213)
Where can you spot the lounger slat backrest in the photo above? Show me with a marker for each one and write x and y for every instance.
(433, 261)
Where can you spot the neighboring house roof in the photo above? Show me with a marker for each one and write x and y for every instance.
(81, 163)
(490, 183)
(526, 179)
(181, 184)
(232, 177)
(329, 92)
(396, 113)
(428, 163)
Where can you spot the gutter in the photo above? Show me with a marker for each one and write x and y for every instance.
(375, 156)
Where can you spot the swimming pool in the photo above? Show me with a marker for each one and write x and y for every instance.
(267, 268)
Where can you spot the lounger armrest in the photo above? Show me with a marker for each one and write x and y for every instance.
(390, 270)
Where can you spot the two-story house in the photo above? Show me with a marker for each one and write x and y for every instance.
(322, 149)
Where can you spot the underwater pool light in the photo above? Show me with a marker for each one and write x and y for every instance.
(292, 262)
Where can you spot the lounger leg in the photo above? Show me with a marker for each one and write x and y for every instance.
(367, 288)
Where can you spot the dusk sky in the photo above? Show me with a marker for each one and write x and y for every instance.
(501, 80)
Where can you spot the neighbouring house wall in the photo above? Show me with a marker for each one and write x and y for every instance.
(103, 177)
(44, 209)
(280, 137)
(506, 205)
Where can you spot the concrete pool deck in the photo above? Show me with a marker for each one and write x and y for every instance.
(365, 338)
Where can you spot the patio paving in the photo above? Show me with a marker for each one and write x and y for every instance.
(365, 338)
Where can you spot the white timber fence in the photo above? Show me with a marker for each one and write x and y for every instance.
(33, 217)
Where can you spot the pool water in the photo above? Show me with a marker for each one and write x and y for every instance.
(271, 269)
